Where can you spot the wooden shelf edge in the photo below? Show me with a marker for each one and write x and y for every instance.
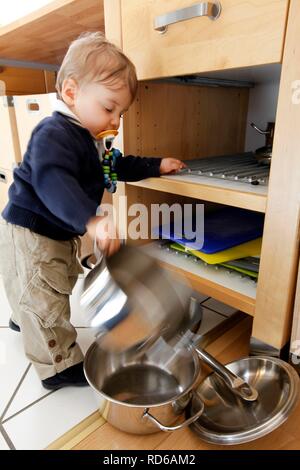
(220, 195)
(230, 297)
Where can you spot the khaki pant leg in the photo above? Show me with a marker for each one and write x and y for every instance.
(8, 270)
(48, 271)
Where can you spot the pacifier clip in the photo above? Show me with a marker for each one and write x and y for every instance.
(109, 159)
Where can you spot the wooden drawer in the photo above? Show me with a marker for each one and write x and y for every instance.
(245, 34)
(10, 153)
(6, 178)
(30, 110)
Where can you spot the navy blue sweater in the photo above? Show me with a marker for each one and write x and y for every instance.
(60, 183)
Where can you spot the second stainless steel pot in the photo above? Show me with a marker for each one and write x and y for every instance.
(146, 393)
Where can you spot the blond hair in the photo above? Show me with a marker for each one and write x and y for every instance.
(91, 58)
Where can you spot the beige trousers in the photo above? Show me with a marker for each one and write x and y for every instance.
(38, 275)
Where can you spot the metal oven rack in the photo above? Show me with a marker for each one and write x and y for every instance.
(242, 167)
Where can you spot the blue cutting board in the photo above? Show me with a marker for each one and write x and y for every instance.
(224, 228)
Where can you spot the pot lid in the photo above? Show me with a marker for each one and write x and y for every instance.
(227, 419)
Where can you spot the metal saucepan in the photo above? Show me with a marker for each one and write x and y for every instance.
(131, 300)
(146, 393)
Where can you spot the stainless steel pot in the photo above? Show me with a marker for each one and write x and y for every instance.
(146, 393)
(131, 300)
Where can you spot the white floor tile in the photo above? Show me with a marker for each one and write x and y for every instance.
(13, 364)
(3, 445)
(209, 321)
(219, 307)
(47, 420)
(31, 388)
(5, 310)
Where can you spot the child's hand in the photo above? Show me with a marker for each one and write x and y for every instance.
(109, 246)
(102, 229)
(171, 166)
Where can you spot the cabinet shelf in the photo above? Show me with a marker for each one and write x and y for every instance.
(45, 34)
(235, 194)
(226, 286)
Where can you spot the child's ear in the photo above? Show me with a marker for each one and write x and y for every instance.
(69, 91)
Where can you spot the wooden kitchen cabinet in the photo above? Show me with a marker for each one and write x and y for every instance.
(165, 122)
(245, 34)
(189, 117)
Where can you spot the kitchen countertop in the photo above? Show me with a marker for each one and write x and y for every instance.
(94, 433)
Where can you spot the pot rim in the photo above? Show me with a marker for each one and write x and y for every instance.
(196, 361)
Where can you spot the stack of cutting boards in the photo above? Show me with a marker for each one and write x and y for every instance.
(231, 237)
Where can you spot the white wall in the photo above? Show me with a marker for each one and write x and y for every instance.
(14, 9)
(262, 109)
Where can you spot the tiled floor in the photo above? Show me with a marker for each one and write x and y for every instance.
(32, 417)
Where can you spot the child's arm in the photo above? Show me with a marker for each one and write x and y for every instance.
(137, 168)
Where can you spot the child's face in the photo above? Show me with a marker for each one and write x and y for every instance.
(97, 106)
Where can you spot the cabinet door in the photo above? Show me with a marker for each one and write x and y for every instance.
(245, 34)
(30, 110)
(10, 153)
(6, 178)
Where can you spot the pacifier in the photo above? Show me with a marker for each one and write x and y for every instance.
(107, 138)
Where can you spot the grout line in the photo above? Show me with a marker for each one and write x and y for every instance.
(6, 437)
(28, 406)
(15, 392)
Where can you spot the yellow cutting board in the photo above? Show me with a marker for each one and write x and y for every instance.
(252, 248)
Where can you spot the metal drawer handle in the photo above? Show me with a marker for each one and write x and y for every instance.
(210, 9)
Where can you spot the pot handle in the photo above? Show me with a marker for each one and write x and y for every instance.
(185, 423)
(234, 382)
